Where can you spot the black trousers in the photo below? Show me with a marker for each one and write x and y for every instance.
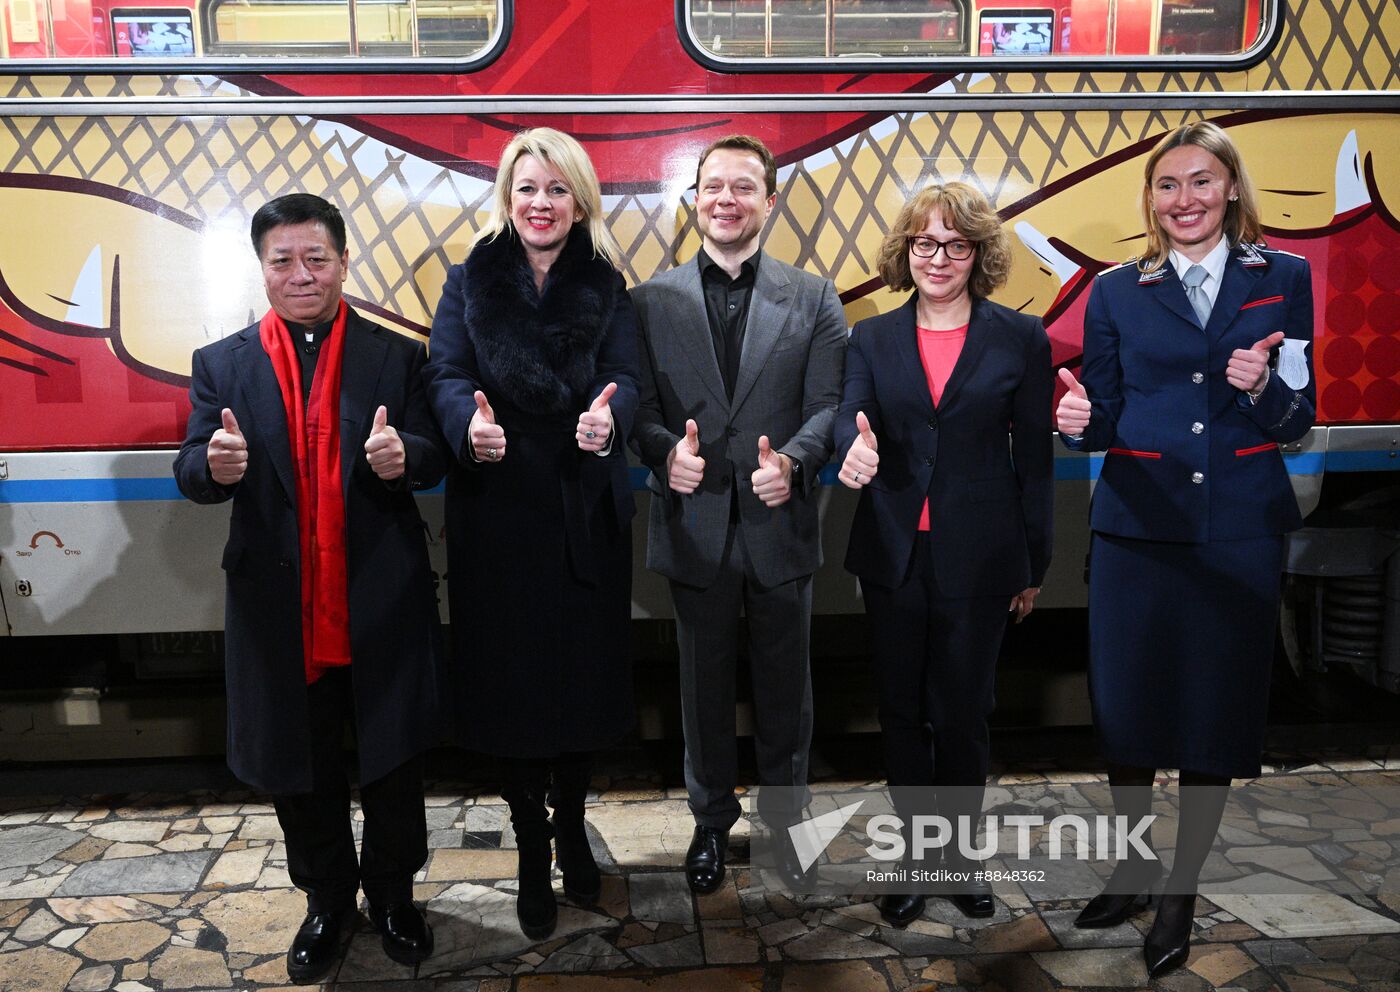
(708, 634)
(935, 656)
(316, 825)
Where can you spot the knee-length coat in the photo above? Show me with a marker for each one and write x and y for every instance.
(539, 543)
(394, 628)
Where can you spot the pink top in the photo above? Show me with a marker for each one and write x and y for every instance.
(939, 351)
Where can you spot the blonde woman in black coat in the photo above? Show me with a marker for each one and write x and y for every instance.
(533, 377)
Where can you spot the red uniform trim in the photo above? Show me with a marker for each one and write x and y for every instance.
(1134, 454)
(1241, 452)
(1260, 303)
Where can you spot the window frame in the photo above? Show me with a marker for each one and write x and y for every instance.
(116, 65)
(1269, 34)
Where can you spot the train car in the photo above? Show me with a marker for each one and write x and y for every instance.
(138, 139)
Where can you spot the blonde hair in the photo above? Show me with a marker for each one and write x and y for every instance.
(1241, 214)
(565, 155)
(965, 210)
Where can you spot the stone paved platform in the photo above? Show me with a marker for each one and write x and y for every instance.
(141, 892)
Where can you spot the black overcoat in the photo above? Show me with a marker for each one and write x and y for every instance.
(539, 543)
(394, 628)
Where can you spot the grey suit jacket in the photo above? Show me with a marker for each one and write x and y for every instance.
(788, 388)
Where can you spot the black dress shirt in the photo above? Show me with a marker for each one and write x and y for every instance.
(727, 307)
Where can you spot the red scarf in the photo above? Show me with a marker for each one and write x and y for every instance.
(315, 436)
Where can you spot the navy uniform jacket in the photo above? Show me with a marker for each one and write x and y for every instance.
(1190, 459)
(989, 501)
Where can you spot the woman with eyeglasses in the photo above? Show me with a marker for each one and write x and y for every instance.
(944, 427)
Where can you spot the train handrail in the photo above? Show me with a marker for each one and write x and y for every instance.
(630, 104)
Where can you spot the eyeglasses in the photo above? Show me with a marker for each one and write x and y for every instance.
(956, 251)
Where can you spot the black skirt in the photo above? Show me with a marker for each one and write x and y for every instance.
(1181, 649)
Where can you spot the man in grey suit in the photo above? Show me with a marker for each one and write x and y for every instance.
(742, 357)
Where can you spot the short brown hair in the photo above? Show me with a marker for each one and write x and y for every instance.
(750, 144)
(965, 210)
(1241, 215)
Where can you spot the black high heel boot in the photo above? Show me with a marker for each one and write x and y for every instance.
(1168, 943)
(582, 881)
(1129, 890)
(534, 905)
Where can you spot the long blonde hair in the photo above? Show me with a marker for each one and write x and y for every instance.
(1241, 214)
(563, 153)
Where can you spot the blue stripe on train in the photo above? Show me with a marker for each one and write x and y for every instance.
(1067, 469)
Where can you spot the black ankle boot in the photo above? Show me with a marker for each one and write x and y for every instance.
(534, 905)
(582, 881)
(1129, 889)
(1168, 943)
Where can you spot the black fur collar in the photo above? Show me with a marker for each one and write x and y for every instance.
(541, 349)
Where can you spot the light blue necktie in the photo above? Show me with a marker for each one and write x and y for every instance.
(1195, 295)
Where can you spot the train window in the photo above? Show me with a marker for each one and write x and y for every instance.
(349, 28)
(280, 31)
(759, 33)
(762, 29)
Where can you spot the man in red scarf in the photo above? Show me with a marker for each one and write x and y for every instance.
(314, 423)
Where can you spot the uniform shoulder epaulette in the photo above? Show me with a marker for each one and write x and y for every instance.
(1280, 251)
(1115, 268)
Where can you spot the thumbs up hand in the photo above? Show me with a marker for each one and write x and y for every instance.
(684, 466)
(227, 452)
(488, 438)
(772, 483)
(594, 432)
(1072, 416)
(862, 462)
(384, 450)
(1248, 368)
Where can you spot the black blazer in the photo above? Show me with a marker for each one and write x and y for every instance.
(394, 627)
(983, 458)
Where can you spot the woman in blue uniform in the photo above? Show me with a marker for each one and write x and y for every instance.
(1196, 368)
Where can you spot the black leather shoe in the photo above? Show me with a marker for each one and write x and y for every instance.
(316, 947)
(790, 870)
(1168, 943)
(900, 911)
(1128, 892)
(975, 899)
(704, 861)
(407, 937)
